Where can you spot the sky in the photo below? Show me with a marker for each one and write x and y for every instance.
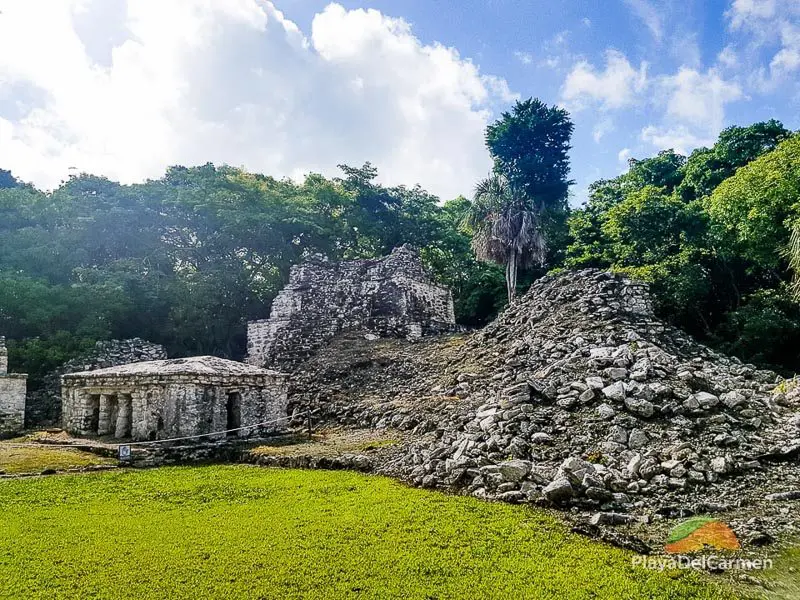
(126, 88)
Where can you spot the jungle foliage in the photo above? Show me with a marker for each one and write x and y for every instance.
(712, 234)
(187, 259)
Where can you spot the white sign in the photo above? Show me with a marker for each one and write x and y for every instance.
(124, 452)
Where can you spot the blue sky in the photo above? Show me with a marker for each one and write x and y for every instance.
(125, 88)
(535, 45)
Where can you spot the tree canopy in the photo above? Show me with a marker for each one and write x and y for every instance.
(712, 235)
(185, 260)
(520, 210)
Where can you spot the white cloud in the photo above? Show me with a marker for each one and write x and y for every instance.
(787, 59)
(727, 57)
(624, 155)
(686, 50)
(234, 81)
(679, 138)
(694, 109)
(615, 87)
(774, 27)
(699, 98)
(744, 11)
(524, 57)
(603, 127)
(551, 62)
(649, 16)
(556, 51)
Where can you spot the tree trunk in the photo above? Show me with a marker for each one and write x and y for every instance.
(511, 276)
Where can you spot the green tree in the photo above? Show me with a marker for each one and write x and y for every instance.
(650, 226)
(530, 148)
(506, 228)
(736, 147)
(478, 287)
(663, 171)
(753, 212)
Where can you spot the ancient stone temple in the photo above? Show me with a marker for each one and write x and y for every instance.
(391, 297)
(173, 398)
(43, 408)
(12, 396)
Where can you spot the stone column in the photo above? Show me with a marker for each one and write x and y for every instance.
(125, 408)
(138, 415)
(86, 412)
(104, 422)
(3, 356)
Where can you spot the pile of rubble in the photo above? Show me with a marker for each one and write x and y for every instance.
(578, 396)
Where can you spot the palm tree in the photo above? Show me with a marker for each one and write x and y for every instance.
(792, 252)
(507, 228)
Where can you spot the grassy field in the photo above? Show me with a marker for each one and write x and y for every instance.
(247, 532)
(14, 460)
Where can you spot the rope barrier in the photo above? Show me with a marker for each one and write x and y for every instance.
(151, 442)
(202, 435)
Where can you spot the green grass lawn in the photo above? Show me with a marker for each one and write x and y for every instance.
(14, 460)
(248, 532)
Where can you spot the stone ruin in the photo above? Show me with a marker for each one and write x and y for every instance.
(44, 405)
(12, 396)
(174, 398)
(390, 297)
(577, 395)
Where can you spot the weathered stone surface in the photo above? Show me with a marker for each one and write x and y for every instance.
(606, 411)
(639, 407)
(389, 297)
(174, 398)
(12, 396)
(695, 420)
(637, 439)
(612, 518)
(615, 391)
(784, 496)
(558, 490)
(44, 405)
(515, 470)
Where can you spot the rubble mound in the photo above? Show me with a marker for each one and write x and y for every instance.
(577, 395)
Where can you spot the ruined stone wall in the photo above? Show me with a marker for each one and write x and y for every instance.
(392, 297)
(12, 396)
(12, 404)
(44, 405)
(3, 357)
(178, 406)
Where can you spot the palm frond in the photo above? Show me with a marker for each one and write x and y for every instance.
(793, 254)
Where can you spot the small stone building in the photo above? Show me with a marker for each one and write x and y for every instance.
(43, 407)
(173, 398)
(13, 388)
(391, 297)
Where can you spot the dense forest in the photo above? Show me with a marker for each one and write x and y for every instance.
(187, 259)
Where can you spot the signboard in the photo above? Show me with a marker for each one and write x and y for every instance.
(124, 453)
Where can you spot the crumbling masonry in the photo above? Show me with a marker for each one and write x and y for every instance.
(12, 396)
(391, 297)
(173, 398)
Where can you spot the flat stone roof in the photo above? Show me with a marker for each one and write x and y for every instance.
(195, 365)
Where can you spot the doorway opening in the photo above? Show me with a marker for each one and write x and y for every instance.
(233, 409)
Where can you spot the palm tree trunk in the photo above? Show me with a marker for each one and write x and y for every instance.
(511, 276)
(508, 279)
